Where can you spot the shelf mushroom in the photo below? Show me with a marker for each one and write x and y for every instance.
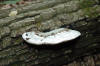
(53, 37)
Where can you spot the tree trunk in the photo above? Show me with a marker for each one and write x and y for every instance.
(46, 15)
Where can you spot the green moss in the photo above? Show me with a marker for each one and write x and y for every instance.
(38, 24)
(86, 3)
(88, 10)
(91, 12)
(17, 41)
(9, 1)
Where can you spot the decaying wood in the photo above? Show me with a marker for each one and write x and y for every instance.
(44, 15)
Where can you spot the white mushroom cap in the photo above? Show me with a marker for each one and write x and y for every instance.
(59, 35)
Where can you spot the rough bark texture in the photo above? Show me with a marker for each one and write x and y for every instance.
(45, 15)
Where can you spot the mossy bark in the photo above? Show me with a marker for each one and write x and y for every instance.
(45, 15)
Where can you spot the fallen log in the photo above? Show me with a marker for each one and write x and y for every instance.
(45, 16)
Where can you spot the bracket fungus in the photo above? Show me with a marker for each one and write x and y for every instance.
(53, 37)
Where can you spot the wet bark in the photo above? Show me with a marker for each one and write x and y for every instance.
(47, 15)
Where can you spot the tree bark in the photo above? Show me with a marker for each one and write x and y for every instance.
(46, 15)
